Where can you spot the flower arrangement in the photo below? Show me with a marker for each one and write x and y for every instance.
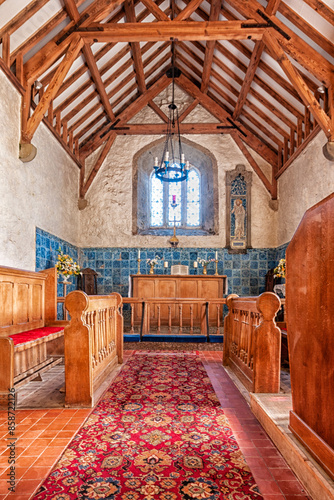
(153, 262)
(279, 271)
(66, 265)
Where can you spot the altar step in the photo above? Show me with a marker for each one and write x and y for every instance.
(172, 338)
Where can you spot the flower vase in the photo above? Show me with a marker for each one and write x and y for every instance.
(204, 269)
(151, 269)
(66, 280)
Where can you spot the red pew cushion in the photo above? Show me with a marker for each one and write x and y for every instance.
(38, 333)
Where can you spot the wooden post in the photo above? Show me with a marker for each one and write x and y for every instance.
(78, 353)
(228, 329)
(267, 346)
(119, 326)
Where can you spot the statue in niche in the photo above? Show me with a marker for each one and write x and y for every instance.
(239, 214)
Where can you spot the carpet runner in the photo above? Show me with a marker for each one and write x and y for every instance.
(158, 433)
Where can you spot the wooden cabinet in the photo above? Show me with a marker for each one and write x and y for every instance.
(146, 286)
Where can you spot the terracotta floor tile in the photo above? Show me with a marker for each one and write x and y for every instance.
(268, 487)
(291, 487)
(33, 451)
(27, 486)
(46, 461)
(283, 474)
(65, 434)
(37, 472)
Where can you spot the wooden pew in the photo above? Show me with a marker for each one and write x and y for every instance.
(93, 344)
(252, 341)
(310, 320)
(28, 305)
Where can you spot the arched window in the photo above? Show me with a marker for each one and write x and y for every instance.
(197, 198)
(187, 195)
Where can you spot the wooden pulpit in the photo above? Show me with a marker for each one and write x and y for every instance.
(310, 320)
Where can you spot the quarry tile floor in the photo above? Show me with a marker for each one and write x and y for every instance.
(41, 435)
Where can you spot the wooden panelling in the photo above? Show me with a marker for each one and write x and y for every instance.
(310, 314)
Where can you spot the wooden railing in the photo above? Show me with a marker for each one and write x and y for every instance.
(252, 341)
(93, 344)
(175, 316)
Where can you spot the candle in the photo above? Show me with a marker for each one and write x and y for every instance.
(174, 198)
(216, 255)
(187, 165)
(195, 263)
(165, 263)
(138, 254)
(182, 158)
(166, 156)
(156, 162)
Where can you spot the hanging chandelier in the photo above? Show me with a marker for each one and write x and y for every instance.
(172, 167)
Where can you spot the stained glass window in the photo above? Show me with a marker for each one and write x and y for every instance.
(193, 199)
(157, 205)
(187, 198)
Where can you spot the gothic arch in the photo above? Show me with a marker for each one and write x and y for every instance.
(142, 167)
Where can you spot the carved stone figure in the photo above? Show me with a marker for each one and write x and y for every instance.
(239, 214)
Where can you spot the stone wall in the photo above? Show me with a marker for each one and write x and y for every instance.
(40, 193)
(107, 220)
(306, 182)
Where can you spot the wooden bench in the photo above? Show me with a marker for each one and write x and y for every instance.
(93, 344)
(252, 341)
(31, 340)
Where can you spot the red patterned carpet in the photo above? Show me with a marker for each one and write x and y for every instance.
(158, 433)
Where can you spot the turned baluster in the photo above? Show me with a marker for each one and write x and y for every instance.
(132, 320)
(169, 319)
(218, 318)
(159, 319)
(191, 319)
(180, 318)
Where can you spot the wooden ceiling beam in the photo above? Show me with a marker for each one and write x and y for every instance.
(210, 46)
(160, 128)
(259, 97)
(165, 31)
(254, 62)
(263, 66)
(295, 46)
(115, 103)
(229, 110)
(306, 95)
(98, 164)
(306, 28)
(267, 184)
(23, 16)
(188, 110)
(114, 91)
(158, 111)
(131, 110)
(223, 116)
(55, 48)
(155, 10)
(266, 67)
(73, 13)
(96, 77)
(29, 128)
(321, 8)
(188, 10)
(135, 47)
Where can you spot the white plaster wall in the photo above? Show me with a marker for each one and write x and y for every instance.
(107, 220)
(43, 192)
(307, 181)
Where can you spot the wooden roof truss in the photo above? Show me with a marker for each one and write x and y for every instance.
(257, 66)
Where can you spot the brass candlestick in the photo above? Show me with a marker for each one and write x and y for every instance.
(216, 273)
(138, 260)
